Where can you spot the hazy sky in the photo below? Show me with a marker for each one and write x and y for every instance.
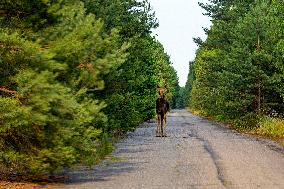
(180, 21)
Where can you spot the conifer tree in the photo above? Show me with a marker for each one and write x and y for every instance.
(237, 73)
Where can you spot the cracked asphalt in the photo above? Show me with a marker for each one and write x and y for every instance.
(197, 154)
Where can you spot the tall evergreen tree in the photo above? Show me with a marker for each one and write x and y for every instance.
(237, 72)
(73, 73)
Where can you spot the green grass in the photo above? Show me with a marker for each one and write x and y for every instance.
(270, 126)
(266, 126)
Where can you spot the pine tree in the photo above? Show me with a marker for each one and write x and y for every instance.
(73, 74)
(237, 72)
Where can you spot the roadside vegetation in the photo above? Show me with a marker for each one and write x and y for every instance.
(237, 76)
(74, 74)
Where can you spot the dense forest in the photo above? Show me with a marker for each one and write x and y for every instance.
(73, 75)
(238, 73)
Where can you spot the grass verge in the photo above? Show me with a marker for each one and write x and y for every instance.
(264, 126)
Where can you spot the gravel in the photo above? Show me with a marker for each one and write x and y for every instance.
(196, 154)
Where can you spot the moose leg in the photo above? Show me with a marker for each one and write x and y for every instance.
(162, 125)
(158, 131)
(165, 125)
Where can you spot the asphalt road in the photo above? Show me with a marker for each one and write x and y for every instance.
(196, 154)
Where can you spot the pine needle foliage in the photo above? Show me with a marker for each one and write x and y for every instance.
(73, 74)
(237, 75)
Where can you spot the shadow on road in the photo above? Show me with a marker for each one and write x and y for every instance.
(102, 172)
(120, 163)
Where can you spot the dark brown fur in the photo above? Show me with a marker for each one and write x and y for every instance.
(162, 107)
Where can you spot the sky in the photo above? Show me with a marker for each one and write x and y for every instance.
(180, 21)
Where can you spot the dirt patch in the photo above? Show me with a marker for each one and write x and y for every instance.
(42, 183)
(17, 185)
(27, 185)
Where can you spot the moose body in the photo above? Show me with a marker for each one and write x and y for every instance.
(162, 107)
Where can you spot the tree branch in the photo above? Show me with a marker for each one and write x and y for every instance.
(3, 89)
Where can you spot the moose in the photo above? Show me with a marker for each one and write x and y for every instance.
(162, 107)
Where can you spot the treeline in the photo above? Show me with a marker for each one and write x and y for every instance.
(74, 74)
(179, 101)
(238, 72)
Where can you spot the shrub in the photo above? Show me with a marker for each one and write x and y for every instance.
(248, 121)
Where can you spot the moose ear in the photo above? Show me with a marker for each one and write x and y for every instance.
(166, 88)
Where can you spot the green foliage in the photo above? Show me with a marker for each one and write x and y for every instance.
(73, 74)
(237, 75)
(130, 90)
(180, 98)
(48, 124)
(248, 121)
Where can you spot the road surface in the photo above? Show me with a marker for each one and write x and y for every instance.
(197, 154)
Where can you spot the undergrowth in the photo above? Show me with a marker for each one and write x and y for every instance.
(267, 126)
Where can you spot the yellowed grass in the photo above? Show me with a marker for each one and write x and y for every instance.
(270, 126)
